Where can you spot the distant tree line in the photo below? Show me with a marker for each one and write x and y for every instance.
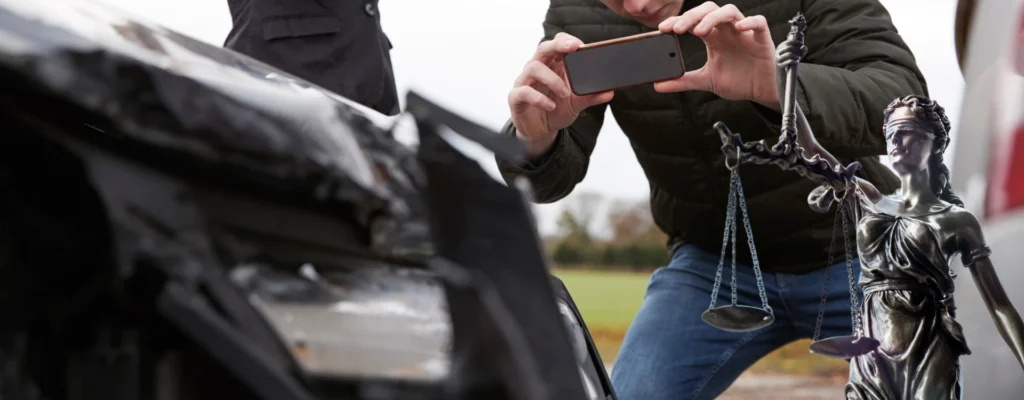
(629, 241)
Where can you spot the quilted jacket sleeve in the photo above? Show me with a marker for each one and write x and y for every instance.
(856, 64)
(556, 174)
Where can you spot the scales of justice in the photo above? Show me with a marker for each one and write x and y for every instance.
(905, 249)
(787, 154)
(905, 340)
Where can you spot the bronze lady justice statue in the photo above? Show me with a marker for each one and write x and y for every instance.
(905, 241)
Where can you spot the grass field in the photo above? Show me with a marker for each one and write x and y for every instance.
(609, 301)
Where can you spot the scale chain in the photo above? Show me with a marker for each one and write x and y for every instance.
(741, 199)
(734, 290)
(730, 218)
(828, 275)
(854, 303)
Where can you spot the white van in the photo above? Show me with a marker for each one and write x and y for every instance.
(988, 173)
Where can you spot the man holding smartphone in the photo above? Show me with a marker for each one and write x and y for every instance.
(856, 63)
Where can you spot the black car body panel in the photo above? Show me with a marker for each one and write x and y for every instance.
(144, 175)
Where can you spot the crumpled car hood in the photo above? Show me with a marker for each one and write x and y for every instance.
(212, 105)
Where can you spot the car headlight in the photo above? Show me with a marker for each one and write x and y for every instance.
(374, 322)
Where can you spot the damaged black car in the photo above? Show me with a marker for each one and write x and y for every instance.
(178, 221)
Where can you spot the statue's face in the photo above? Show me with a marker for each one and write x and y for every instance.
(909, 143)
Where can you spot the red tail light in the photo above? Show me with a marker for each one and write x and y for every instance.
(1006, 186)
(1006, 168)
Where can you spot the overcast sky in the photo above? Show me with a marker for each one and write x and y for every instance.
(465, 54)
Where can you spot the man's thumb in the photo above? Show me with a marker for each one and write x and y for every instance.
(693, 80)
(590, 100)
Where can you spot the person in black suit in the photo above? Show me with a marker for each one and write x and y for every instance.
(336, 44)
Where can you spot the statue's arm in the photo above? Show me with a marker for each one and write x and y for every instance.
(787, 56)
(805, 138)
(871, 192)
(811, 148)
(1006, 317)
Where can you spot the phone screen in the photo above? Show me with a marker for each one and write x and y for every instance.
(624, 64)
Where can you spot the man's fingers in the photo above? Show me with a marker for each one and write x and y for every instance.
(678, 25)
(538, 72)
(566, 43)
(522, 97)
(561, 44)
(693, 80)
(564, 36)
(683, 23)
(727, 13)
(756, 23)
(758, 26)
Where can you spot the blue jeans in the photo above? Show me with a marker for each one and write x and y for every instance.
(670, 353)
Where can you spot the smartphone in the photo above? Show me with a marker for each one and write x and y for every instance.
(624, 62)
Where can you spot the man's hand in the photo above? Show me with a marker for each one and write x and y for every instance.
(741, 55)
(541, 100)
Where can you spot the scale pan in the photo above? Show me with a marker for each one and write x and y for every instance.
(738, 318)
(844, 347)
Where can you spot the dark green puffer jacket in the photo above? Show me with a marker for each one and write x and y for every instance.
(856, 64)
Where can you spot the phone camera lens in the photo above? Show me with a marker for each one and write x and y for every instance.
(672, 54)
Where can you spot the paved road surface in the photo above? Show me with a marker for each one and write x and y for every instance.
(780, 387)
